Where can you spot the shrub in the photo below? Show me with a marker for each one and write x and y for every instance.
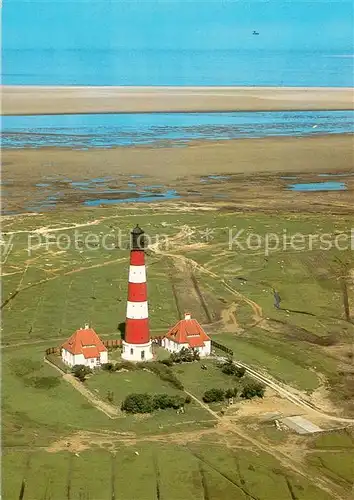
(240, 372)
(164, 372)
(188, 400)
(231, 393)
(185, 356)
(80, 372)
(164, 401)
(167, 362)
(253, 389)
(110, 367)
(213, 395)
(229, 368)
(138, 403)
(126, 365)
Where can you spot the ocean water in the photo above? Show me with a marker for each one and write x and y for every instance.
(255, 67)
(110, 130)
(319, 186)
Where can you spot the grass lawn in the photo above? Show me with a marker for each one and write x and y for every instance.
(124, 383)
(53, 292)
(196, 471)
(338, 466)
(197, 381)
(289, 363)
(27, 419)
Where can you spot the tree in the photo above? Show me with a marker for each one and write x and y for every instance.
(196, 355)
(231, 393)
(185, 355)
(229, 368)
(167, 362)
(80, 372)
(110, 396)
(110, 367)
(213, 395)
(162, 401)
(138, 403)
(188, 400)
(253, 389)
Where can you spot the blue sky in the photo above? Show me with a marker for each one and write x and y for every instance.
(228, 24)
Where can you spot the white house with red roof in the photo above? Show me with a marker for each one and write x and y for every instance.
(189, 334)
(84, 347)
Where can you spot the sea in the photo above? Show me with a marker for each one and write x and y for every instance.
(254, 67)
(160, 129)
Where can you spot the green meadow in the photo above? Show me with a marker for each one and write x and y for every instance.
(50, 290)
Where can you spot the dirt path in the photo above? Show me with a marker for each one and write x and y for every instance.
(109, 410)
(324, 484)
(228, 317)
(289, 394)
(185, 231)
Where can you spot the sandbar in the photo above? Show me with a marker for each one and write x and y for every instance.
(31, 100)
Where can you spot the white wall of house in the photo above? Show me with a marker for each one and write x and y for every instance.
(206, 350)
(104, 357)
(67, 357)
(172, 346)
(79, 359)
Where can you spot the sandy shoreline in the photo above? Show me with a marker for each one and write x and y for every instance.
(29, 100)
(255, 170)
(241, 156)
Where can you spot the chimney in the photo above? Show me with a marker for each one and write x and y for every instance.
(187, 316)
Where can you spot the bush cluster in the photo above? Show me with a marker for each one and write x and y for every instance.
(253, 389)
(80, 372)
(214, 395)
(147, 403)
(185, 356)
(120, 365)
(229, 368)
(160, 368)
(250, 390)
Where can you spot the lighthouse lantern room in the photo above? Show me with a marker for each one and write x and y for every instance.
(137, 343)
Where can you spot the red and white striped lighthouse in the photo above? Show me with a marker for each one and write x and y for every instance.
(137, 343)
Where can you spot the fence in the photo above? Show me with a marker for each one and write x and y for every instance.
(222, 347)
(112, 343)
(52, 350)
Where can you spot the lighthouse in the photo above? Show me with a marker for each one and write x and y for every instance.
(137, 344)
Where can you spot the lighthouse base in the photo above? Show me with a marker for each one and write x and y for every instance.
(137, 352)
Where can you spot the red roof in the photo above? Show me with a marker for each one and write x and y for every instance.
(188, 331)
(85, 341)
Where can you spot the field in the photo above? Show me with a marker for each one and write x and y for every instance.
(58, 275)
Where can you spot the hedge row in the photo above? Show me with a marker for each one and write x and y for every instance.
(160, 369)
(147, 403)
(250, 390)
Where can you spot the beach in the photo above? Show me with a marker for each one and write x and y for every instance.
(31, 100)
(248, 174)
